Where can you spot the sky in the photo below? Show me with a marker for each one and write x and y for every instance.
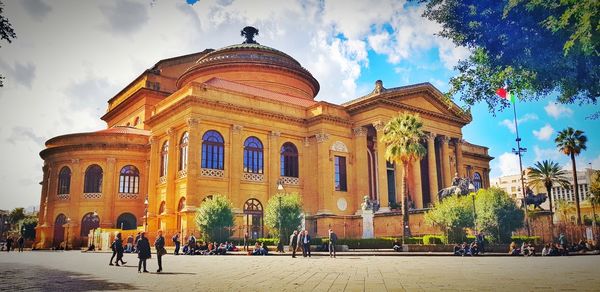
(70, 57)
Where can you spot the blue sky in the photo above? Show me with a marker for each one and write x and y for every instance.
(70, 57)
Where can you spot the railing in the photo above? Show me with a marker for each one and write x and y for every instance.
(255, 177)
(128, 196)
(182, 173)
(288, 180)
(92, 195)
(162, 180)
(209, 172)
(63, 196)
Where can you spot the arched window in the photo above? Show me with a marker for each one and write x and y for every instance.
(477, 181)
(93, 179)
(89, 222)
(253, 155)
(183, 151)
(64, 181)
(181, 204)
(59, 230)
(253, 213)
(212, 150)
(289, 160)
(126, 221)
(129, 180)
(164, 159)
(162, 207)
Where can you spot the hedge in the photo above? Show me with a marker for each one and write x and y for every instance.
(488, 239)
(523, 238)
(435, 239)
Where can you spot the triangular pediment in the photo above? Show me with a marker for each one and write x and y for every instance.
(423, 103)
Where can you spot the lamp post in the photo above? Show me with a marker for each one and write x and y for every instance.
(93, 245)
(146, 213)
(471, 189)
(67, 240)
(280, 189)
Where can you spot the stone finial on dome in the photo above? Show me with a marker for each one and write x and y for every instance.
(378, 87)
(249, 32)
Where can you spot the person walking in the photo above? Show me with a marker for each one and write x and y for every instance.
(177, 243)
(159, 245)
(118, 243)
(9, 242)
(113, 247)
(305, 239)
(332, 242)
(143, 249)
(21, 242)
(294, 243)
(192, 244)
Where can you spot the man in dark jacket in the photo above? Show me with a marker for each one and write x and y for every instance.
(305, 241)
(21, 242)
(332, 242)
(113, 247)
(9, 242)
(294, 243)
(118, 245)
(177, 243)
(159, 244)
(144, 253)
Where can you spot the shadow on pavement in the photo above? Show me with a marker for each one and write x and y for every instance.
(17, 277)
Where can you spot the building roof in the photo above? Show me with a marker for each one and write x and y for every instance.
(255, 91)
(124, 130)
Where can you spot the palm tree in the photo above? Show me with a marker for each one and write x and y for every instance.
(548, 173)
(571, 142)
(564, 208)
(403, 135)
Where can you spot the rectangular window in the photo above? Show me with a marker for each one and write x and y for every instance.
(340, 174)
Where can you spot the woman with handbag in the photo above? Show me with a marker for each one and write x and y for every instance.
(159, 244)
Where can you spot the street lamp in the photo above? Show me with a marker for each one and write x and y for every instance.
(280, 244)
(93, 245)
(67, 240)
(146, 214)
(471, 190)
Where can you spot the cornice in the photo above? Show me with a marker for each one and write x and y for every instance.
(93, 146)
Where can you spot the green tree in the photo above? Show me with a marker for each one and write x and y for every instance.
(28, 226)
(215, 219)
(403, 135)
(571, 142)
(548, 173)
(564, 208)
(497, 213)
(16, 215)
(453, 215)
(539, 47)
(291, 214)
(6, 32)
(595, 190)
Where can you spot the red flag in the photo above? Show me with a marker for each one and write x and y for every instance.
(501, 92)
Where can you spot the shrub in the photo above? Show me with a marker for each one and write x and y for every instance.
(523, 238)
(488, 239)
(214, 218)
(435, 239)
(291, 214)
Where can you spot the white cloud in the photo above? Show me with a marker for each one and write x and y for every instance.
(556, 110)
(508, 164)
(548, 154)
(510, 124)
(544, 133)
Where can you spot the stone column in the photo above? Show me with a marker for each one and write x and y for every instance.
(433, 180)
(399, 180)
(173, 160)
(417, 192)
(361, 162)
(42, 216)
(459, 158)
(447, 175)
(153, 174)
(237, 167)
(192, 199)
(109, 192)
(76, 191)
(381, 169)
(273, 171)
(325, 187)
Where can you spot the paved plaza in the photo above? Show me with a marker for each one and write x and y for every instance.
(76, 271)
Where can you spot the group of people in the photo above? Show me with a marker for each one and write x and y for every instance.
(194, 247)
(526, 249)
(141, 247)
(474, 248)
(302, 240)
(10, 242)
(559, 248)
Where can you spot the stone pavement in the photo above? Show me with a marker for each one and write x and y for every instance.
(77, 271)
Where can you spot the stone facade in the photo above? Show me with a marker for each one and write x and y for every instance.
(219, 122)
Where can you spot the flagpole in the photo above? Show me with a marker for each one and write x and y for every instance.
(519, 152)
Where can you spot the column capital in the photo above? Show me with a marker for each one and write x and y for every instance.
(171, 131)
(152, 139)
(379, 125)
(445, 139)
(430, 136)
(237, 129)
(192, 122)
(306, 141)
(321, 137)
(359, 131)
(111, 160)
(275, 134)
(75, 160)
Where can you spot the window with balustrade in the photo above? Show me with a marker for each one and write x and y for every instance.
(64, 181)
(212, 150)
(253, 155)
(164, 159)
(93, 179)
(289, 160)
(129, 180)
(183, 151)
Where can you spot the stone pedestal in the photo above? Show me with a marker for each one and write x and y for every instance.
(367, 216)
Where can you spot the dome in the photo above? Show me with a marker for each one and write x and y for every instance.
(254, 64)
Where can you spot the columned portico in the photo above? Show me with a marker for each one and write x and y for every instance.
(382, 193)
(433, 180)
(447, 176)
